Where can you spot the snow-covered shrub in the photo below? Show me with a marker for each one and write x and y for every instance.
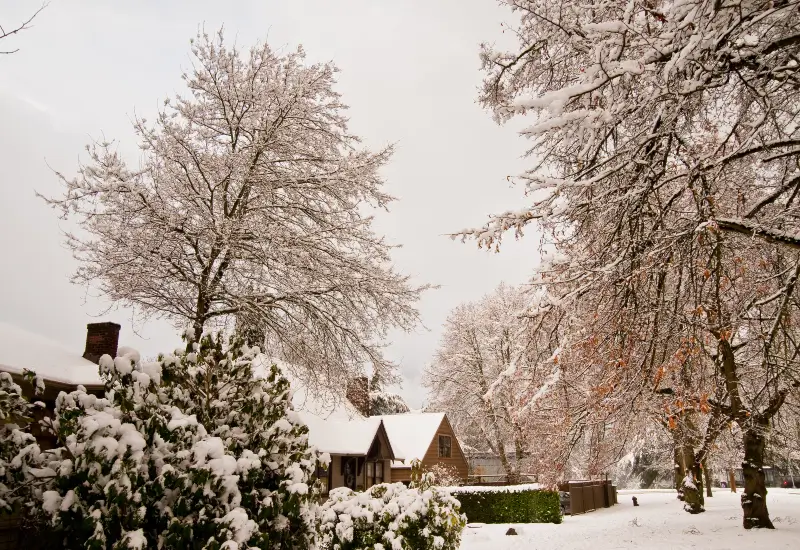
(192, 452)
(445, 475)
(391, 516)
(19, 452)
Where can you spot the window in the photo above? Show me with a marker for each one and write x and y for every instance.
(374, 473)
(444, 446)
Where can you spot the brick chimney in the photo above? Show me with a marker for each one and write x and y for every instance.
(101, 338)
(358, 393)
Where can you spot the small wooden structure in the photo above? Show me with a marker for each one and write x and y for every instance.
(587, 496)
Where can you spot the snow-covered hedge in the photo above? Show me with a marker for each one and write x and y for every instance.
(191, 452)
(496, 488)
(513, 504)
(391, 516)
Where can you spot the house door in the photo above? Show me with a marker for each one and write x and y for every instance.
(350, 464)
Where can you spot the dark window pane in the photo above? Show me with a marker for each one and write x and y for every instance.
(444, 446)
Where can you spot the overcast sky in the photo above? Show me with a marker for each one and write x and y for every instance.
(409, 71)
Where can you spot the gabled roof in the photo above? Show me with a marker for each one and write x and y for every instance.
(344, 437)
(20, 350)
(411, 433)
(334, 425)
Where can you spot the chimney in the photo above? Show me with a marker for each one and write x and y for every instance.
(358, 394)
(101, 338)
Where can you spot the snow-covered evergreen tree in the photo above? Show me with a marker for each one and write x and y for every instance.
(199, 450)
(383, 402)
(20, 454)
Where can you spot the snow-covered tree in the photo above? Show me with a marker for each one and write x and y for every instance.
(250, 201)
(382, 401)
(200, 450)
(663, 133)
(491, 368)
(20, 454)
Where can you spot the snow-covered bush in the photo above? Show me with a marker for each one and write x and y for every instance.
(391, 516)
(195, 451)
(445, 475)
(19, 452)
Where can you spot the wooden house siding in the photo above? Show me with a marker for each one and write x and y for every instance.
(457, 459)
(401, 474)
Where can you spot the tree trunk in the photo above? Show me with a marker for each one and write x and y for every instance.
(679, 473)
(732, 480)
(754, 498)
(684, 457)
(693, 490)
(707, 473)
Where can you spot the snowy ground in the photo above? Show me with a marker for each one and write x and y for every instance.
(658, 523)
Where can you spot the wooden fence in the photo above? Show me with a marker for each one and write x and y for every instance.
(587, 496)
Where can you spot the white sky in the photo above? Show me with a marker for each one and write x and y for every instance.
(409, 71)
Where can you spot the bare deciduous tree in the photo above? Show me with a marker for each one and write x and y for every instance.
(25, 25)
(249, 202)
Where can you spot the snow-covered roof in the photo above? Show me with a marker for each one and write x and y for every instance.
(410, 434)
(20, 349)
(341, 437)
(334, 424)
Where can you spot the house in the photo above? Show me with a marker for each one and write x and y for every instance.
(428, 437)
(61, 369)
(360, 451)
(359, 447)
(364, 450)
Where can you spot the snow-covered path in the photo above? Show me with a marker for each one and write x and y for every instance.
(658, 523)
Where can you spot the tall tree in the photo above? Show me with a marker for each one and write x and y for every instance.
(663, 133)
(249, 201)
(488, 372)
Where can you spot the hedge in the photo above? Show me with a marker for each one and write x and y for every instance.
(506, 505)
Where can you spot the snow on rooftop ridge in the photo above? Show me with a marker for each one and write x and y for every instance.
(410, 434)
(341, 437)
(20, 350)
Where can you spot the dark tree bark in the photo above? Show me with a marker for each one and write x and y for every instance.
(693, 501)
(754, 498)
(708, 477)
(680, 471)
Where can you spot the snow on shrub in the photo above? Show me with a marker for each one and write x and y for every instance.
(445, 475)
(391, 516)
(19, 452)
(191, 452)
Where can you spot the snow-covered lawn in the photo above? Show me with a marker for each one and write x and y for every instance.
(658, 523)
